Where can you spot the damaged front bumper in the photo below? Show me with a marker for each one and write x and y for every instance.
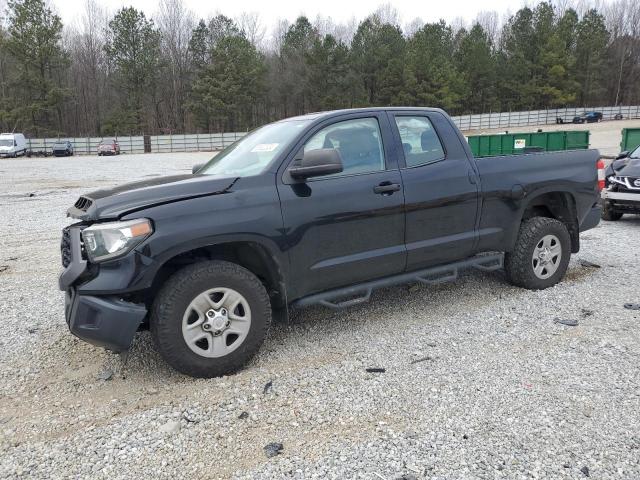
(104, 320)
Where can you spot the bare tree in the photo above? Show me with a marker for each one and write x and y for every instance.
(175, 23)
(387, 13)
(490, 23)
(412, 27)
(253, 28)
(89, 66)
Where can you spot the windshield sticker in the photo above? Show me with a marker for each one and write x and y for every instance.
(265, 147)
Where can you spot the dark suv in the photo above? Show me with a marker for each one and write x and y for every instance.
(318, 209)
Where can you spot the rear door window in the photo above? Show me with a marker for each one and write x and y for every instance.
(420, 141)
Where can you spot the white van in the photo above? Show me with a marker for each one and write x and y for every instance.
(12, 144)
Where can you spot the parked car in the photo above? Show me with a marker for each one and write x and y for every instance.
(618, 116)
(12, 145)
(63, 148)
(588, 117)
(108, 146)
(622, 186)
(317, 209)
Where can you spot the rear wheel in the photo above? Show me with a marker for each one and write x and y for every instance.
(541, 255)
(609, 213)
(210, 318)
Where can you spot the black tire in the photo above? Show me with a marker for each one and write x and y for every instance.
(175, 296)
(518, 263)
(609, 214)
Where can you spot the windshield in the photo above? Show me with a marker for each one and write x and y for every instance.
(252, 154)
(635, 153)
(60, 144)
(6, 142)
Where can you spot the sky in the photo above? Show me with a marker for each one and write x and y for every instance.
(339, 10)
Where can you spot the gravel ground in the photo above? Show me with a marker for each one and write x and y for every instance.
(479, 383)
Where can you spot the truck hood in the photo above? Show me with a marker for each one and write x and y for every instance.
(114, 202)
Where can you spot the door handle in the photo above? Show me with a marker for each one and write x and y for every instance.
(386, 188)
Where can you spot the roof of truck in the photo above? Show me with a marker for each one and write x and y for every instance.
(328, 113)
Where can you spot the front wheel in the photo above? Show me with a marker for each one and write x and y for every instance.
(609, 214)
(210, 318)
(541, 254)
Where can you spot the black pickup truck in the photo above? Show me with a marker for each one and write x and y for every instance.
(317, 209)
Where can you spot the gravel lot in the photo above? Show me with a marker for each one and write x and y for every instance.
(479, 383)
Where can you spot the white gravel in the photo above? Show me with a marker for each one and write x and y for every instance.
(497, 390)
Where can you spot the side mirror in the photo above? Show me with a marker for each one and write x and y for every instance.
(624, 154)
(197, 167)
(317, 163)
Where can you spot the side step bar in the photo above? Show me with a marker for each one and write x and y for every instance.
(429, 276)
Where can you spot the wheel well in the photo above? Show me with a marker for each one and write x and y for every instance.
(250, 255)
(558, 205)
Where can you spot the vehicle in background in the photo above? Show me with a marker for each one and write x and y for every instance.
(588, 117)
(108, 146)
(317, 209)
(618, 116)
(63, 148)
(12, 145)
(622, 186)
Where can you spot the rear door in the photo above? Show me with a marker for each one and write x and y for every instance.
(440, 189)
(348, 227)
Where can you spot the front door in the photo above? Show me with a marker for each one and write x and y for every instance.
(347, 227)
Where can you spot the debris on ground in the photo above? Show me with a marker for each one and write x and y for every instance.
(32, 329)
(585, 312)
(423, 359)
(267, 387)
(243, 415)
(273, 449)
(4, 268)
(407, 476)
(376, 370)
(171, 427)
(585, 471)
(189, 419)
(569, 322)
(587, 263)
(105, 375)
(632, 306)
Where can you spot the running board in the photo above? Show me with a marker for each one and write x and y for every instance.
(429, 276)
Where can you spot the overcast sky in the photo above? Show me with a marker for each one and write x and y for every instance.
(339, 10)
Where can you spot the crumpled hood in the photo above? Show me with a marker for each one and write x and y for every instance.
(114, 202)
(630, 167)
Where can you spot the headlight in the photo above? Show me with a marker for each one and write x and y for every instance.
(104, 241)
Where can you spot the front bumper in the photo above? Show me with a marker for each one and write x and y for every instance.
(103, 320)
(621, 196)
(107, 322)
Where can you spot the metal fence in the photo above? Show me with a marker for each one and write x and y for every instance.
(136, 144)
(218, 141)
(538, 117)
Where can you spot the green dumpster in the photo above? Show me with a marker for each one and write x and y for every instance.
(630, 139)
(513, 143)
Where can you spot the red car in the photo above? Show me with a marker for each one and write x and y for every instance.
(108, 146)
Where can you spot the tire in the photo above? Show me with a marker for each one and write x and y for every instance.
(173, 310)
(609, 214)
(520, 264)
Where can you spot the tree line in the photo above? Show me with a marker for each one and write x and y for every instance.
(129, 74)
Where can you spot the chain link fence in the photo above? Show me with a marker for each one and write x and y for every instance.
(539, 117)
(204, 142)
